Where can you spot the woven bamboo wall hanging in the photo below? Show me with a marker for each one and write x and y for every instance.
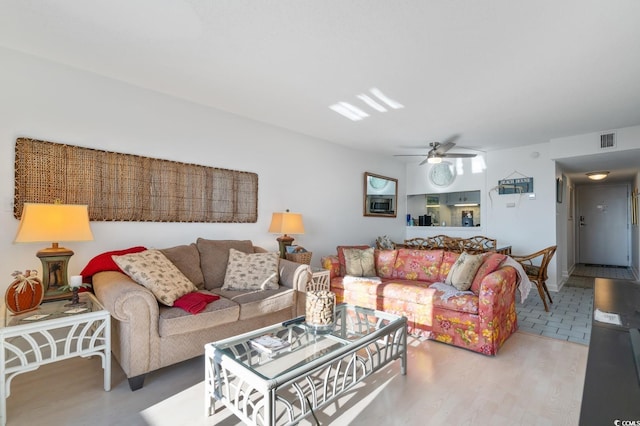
(124, 187)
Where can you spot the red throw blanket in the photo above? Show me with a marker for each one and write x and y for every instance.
(195, 302)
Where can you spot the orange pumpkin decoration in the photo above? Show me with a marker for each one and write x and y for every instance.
(25, 293)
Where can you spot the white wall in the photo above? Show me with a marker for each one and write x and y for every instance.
(530, 225)
(321, 180)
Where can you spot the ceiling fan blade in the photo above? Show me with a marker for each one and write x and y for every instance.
(451, 139)
(441, 148)
(459, 155)
(408, 155)
(424, 161)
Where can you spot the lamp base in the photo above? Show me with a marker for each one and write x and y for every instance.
(55, 262)
(283, 242)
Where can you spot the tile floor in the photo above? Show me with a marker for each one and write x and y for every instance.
(569, 317)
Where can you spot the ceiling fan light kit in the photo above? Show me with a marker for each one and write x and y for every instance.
(432, 159)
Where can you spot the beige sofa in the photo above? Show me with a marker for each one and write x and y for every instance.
(147, 335)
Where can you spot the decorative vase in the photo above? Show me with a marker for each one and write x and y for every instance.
(320, 311)
(25, 293)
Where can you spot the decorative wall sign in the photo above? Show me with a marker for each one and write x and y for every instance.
(126, 187)
(515, 186)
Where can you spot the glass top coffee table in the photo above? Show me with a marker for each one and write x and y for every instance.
(284, 385)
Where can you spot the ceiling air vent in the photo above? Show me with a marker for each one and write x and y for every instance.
(607, 140)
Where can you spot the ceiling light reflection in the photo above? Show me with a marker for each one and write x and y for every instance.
(347, 110)
(378, 94)
(373, 104)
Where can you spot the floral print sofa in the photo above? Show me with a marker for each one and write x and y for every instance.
(480, 319)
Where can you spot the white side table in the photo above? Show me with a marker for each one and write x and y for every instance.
(319, 280)
(51, 333)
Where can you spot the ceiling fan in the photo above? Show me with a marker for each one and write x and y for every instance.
(438, 151)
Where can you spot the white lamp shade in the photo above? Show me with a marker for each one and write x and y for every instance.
(286, 223)
(54, 223)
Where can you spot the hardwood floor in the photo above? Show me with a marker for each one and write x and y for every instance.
(534, 380)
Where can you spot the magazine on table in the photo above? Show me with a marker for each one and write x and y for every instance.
(269, 343)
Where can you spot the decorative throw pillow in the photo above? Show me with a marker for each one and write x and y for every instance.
(385, 243)
(214, 256)
(153, 270)
(359, 263)
(464, 270)
(341, 259)
(255, 271)
(104, 262)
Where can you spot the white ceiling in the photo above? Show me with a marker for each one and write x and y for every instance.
(499, 73)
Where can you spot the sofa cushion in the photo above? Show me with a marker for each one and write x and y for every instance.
(400, 292)
(255, 271)
(448, 259)
(341, 259)
(490, 263)
(421, 265)
(153, 270)
(464, 271)
(257, 303)
(187, 259)
(214, 255)
(385, 260)
(367, 285)
(359, 262)
(174, 320)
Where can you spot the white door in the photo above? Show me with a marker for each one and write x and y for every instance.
(603, 224)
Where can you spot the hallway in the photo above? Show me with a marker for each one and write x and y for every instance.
(570, 314)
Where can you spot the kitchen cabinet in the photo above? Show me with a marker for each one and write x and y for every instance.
(443, 210)
(465, 197)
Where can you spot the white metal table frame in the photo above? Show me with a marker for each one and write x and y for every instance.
(25, 347)
(320, 280)
(293, 395)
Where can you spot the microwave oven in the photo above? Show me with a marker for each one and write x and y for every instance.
(381, 205)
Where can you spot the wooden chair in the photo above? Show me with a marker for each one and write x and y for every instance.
(479, 244)
(417, 243)
(538, 273)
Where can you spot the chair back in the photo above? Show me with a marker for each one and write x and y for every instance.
(417, 243)
(479, 244)
(547, 254)
(537, 272)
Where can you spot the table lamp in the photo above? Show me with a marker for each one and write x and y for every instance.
(286, 223)
(54, 223)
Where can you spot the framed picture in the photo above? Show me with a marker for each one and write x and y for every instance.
(558, 190)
